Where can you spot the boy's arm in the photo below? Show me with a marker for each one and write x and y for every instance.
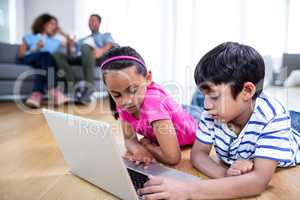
(168, 150)
(250, 184)
(203, 162)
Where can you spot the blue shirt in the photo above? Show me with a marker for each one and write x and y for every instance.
(267, 134)
(51, 44)
(99, 40)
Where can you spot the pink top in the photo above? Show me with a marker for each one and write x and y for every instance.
(157, 105)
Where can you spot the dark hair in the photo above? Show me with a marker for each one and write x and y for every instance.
(232, 63)
(38, 25)
(119, 65)
(97, 16)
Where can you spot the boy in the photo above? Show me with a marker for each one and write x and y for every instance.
(251, 132)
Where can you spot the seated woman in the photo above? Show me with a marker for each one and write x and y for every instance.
(36, 50)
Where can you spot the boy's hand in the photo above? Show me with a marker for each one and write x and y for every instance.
(164, 188)
(240, 167)
(140, 156)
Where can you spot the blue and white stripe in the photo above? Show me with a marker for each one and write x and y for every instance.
(268, 134)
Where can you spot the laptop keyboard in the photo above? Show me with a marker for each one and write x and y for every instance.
(137, 178)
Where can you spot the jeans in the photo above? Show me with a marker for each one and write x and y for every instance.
(45, 78)
(198, 99)
(196, 107)
(194, 111)
(295, 120)
(87, 60)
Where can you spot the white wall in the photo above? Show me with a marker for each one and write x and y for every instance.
(19, 21)
(62, 9)
(11, 21)
(20, 14)
(4, 20)
(15, 21)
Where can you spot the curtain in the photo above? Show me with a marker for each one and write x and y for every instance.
(172, 35)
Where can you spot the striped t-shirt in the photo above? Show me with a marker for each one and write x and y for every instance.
(267, 134)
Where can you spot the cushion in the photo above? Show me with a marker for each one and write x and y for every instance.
(9, 54)
(293, 79)
(12, 71)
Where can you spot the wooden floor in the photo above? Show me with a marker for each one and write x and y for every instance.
(32, 167)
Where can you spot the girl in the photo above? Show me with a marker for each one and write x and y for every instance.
(36, 50)
(145, 108)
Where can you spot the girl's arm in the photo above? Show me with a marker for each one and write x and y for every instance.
(138, 151)
(203, 162)
(250, 184)
(168, 150)
(63, 33)
(24, 47)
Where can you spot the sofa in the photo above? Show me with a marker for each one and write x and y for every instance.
(12, 71)
(290, 64)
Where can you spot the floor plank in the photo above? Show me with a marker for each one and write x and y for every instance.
(32, 167)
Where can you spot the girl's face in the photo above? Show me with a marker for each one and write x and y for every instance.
(50, 27)
(127, 88)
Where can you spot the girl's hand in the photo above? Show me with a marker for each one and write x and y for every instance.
(151, 147)
(71, 41)
(145, 141)
(40, 44)
(164, 188)
(140, 156)
(240, 167)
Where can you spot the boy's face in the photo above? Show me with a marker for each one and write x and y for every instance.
(219, 102)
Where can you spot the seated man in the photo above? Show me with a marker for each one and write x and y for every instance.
(85, 52)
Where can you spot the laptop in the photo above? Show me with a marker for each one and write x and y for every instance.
(90, 149)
